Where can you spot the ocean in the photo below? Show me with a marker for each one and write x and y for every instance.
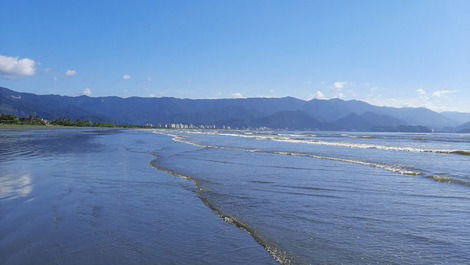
(233, 197)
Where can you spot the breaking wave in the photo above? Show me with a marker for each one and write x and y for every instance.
(390, 168)
(279, 254)
(290, 139)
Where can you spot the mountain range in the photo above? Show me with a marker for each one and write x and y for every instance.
(275, 113)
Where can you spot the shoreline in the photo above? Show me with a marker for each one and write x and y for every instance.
(16, 127)
(280, 256)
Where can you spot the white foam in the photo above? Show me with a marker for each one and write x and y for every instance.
(288, 139)
(390, 168)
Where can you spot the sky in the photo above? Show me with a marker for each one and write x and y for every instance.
(393, 53)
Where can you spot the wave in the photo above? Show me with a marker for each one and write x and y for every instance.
(390, 168)
(279, 255)
(442, 179)
(461, 152)
(338, 144)
(182, 139)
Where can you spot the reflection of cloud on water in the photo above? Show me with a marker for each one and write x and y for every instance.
(15, 186)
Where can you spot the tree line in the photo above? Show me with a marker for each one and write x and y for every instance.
(12, 119)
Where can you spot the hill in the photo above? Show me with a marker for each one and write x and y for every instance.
(464, 128)
(278, 113)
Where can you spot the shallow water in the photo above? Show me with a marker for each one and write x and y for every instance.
(336, 198)
(91, 197)
(233, 197)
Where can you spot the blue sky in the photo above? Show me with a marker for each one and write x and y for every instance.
(397, 53)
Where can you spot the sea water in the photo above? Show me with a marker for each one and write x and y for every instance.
(233, 197)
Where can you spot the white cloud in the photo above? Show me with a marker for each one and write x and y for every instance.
(237, 95)
(439, 100)
(70, 73)
(408, 102)
(317, 95)
(421, 92)
(337, 88)
(126, 77)
(11, 67)
(87, 92)
(441, 93)
(339, 84)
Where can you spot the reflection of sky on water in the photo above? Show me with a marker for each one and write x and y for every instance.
(75, 197)
(27, 144)
(15, 186)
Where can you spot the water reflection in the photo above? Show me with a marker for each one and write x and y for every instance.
(75, 197)
(15, 186)
(28, 144)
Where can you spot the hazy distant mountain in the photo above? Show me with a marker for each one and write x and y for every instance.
(280, 113)
(334, 109)
(464, 128)
(368, 121)
(293, 119)
(460, 117)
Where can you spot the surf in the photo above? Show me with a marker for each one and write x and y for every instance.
(391, 168)
(288, 139)
(397, 169)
